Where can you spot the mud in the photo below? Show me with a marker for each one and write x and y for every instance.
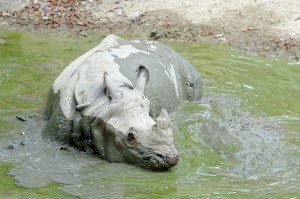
(255, 144)
(256, 27)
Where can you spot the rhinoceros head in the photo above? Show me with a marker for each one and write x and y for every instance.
(127, 133)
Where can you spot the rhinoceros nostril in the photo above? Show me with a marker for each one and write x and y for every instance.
(172, 159)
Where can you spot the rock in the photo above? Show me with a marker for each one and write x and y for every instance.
(134, 16)
(219, 36)
(45, 18)
(154, 34)
(5, 14)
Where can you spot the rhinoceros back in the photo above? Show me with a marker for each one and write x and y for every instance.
(80, 87)
(171, 77)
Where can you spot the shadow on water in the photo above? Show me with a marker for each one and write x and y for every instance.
(240, 141)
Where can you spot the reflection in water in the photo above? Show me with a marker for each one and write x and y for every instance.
(240, 140)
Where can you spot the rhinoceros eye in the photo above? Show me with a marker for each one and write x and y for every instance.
(130, 137)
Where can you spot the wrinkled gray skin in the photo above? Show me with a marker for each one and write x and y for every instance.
(113, 100)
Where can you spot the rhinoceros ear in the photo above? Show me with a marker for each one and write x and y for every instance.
(143, 78)
(111, 89)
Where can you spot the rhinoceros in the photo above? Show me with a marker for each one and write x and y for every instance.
(114, 100)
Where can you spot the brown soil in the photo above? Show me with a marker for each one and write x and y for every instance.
(249, 28)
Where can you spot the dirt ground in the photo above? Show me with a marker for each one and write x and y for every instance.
(263, 27)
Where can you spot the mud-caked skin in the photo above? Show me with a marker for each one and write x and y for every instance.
(113, 100)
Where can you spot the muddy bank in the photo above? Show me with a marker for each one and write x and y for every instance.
(249, 27)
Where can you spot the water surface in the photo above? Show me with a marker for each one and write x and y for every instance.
(241, 140)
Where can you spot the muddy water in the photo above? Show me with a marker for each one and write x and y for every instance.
(241, 140)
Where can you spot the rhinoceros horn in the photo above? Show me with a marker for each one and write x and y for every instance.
(163, 120)
(163, 129)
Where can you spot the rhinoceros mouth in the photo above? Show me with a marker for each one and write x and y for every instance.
(149, 159)
(159, 162)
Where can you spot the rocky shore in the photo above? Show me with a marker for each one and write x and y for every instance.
(254, 26)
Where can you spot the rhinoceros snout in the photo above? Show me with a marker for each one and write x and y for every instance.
(172, 160)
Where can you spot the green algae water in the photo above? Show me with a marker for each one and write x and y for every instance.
(242, 140)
